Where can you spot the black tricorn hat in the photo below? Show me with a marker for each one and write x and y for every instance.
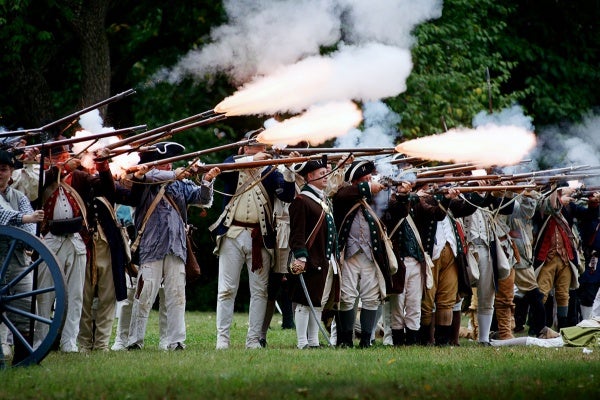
(161, 151)
(358, 169)
(253, 135)
(7, 158)
(54, 151)
(308, 166)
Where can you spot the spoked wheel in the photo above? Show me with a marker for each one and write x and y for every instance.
(19, 289)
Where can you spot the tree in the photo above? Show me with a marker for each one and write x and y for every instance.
(447, 86)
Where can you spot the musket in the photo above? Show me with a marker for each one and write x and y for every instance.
(444, 166)
(236, 166)
(70, 116)
(388, 181)
(445, 171)
(584, 193)
(493, 188)
(405, 160)
(469, 178)
(92, 137)
(532, 174)
(317, 150)
(567, 177)
(149, 135)
(590, 188)
(188, 156)
(163, 132)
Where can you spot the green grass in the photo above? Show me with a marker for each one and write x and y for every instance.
(283, 372)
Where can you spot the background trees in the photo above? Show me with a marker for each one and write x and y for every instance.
(62, 55)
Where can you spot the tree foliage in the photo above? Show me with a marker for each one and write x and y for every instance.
(448, 84)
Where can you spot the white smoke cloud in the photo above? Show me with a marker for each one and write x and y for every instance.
(514, 116)
(92, 123)
(572, 145)
(386, 21)
(380, 129)
(368, 72)
(262, 36)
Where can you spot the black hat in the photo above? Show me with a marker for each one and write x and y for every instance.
(160, 151)
(358, 169)
(308, 166)
(55, 151)
(398, 160)
(7, 158)
(253, 135)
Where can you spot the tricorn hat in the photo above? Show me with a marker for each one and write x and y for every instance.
(253, 135)
(7, 158)
(161, 151)
(308, 166)
(54, 151)
(358, 169)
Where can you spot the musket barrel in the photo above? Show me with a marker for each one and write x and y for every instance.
(316, 150)
(469, 178)
(499, 188)
(162, 131)
(84, 138)
(69, 117)
(453, 170)
(233, 166)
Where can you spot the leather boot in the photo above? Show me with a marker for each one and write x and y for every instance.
(504, 316)
(537, 312)
(367, 323)
(398, 337)
(20, 351)
(521, 309)
(442, 335)
(562, 318)
(412, 337)
(455, 329)
(424, 335)
(270, 310)
(346, 328)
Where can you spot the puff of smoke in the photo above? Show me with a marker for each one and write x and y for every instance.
(261, 36)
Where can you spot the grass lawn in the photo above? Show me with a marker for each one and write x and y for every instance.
(282, 372)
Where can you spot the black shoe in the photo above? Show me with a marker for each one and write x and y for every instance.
(484, 344)
(135, 346)
(262, 342)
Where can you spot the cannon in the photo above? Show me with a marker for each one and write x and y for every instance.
(12, 241)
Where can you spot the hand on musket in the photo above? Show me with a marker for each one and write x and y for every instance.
(566, 195)
(30, 155)
(141, 170)
(71, 164)
(500, 193)
(376, 187)
(346, 159)
(211, 174)
(452, 193)
(404, 187)
(261, 156)
(182, 173)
